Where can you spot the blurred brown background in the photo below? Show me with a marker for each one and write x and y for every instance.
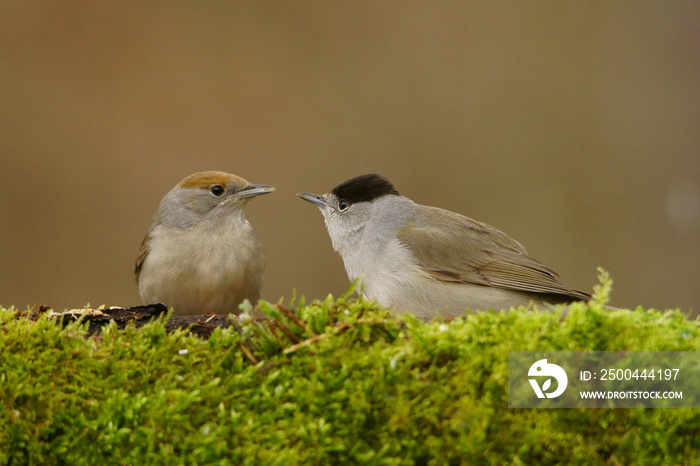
(572, 127)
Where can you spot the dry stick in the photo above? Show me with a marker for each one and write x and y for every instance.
(288, 333)
(249, 343)
(239, 328)
(294, 318)
(249, 356)
(316, 338)
(236, 322)
(272, 326)
(305, 343)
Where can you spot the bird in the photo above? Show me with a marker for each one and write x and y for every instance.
(430, 261)
(201, 255)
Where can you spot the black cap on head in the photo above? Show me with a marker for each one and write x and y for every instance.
(364, 188)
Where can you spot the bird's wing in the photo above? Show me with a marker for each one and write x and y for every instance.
(143, 252)
(464, 250)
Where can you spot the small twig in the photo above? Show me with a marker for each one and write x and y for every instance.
(288, 333)
(305, 343)
(343, 327)
(250, 345)
(316, 338)
(294, 318)
(236, 322)
(249, 356)
(272, 326)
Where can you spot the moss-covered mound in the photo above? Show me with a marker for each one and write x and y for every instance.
(339, 381)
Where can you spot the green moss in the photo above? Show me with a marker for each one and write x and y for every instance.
(349, 383)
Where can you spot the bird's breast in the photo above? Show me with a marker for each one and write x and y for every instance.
(385, 267)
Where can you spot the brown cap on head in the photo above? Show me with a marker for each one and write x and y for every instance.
(209, 178)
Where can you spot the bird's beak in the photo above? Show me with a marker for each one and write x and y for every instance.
(255, 190)
(317, 199)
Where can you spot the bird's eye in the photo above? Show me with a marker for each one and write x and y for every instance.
(343, 205)
(217, 190)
